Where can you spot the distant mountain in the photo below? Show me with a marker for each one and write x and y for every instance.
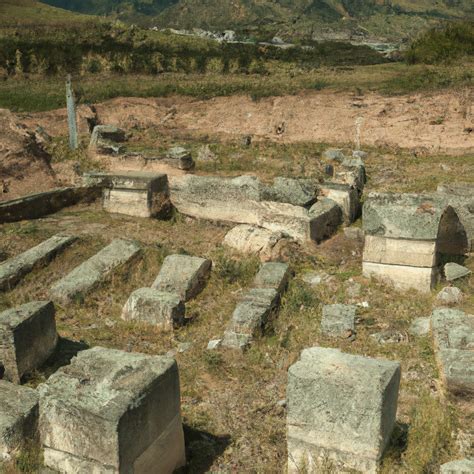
(345, 18)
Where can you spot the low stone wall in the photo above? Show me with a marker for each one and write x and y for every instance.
(38, 205)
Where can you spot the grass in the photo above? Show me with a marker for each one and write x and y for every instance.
(233, 420)
(42, 94)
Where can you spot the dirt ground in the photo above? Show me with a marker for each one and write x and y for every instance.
(432, 123)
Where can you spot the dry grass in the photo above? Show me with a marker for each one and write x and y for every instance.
(233, 420)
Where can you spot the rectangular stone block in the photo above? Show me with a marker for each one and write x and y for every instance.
(14, 269)
(414, 253)
(134, 193)
(18, 417)
(402, 277)
(338, 320)
(326, 217)
(346, 196)
(183, 275)
(158, 308)
(87, 276)
(341, 408)
(112, 412)
(28, 337)
(274, 275)
(453, 333)
(250, 317)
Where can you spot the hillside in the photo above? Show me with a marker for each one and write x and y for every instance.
(332, 19)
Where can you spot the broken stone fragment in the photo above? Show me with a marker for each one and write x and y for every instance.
(338, 320)
(179, 158)
(299, 192)
(450, 296)
(346, 196)
(18, 417)
(342, 409)
(273, 275)
(335, 154)
(327, 216)
(106, 139)
(420, 327)
(27, 338)
(453, 271)
(462, 466)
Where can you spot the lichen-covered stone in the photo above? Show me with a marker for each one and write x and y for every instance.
(299, 192)
(161, 309)
(273, 275)
(14, 269)
(87, 276)
(184, 275)
(338, 320)
(18, 417)
(341, 408)
(112, 412)
(28, 337)
(453, 271)
(461, 466)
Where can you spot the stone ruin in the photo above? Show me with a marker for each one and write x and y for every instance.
(350, 430)
(408, 237)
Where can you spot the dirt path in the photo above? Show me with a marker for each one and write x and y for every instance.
(435, 123)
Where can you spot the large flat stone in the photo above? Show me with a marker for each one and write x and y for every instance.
(87, 276)
(338, 320)
(161, 309)
(341, 408)
(112, 412)
(413, 253)
(27, 338)
(299, 192)
(183, 275)
(453, 333)
(402, 277)
(14, 269)
(18, 417)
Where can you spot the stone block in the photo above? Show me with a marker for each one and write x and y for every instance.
(250, 317)
(273, 275)
(179, 158)
(453, 271)
(453, 333)
(158, 308)
(462, 466)
(13, 270)
(341, 408)
(346, 196)
(106, 139)
(450, 295)
(338, 320)
(326, 216)
(112, 412)
(334, 154)
(27, 338)
(136, 194)
(414, 253)
(87, 276)
(402, 277)
(18, 417)
(299, 192)
(420, 327)
(183, 275)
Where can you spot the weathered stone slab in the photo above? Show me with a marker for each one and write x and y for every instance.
(335, 154)
(338, 320)
(112, 412)
(453, 271)
(414, 253)
(158, 308)
(179, 158)
(38, 205)
(346, 196)
(183, 275)
(106, 139)
(461, 466)
(18, 417)
(453, 333)
(341, 408)
(402, 277)
(299, 192)
(134, 193)
(420, 327)
(273, 275)
(14, 269)
(250, 317)
(326, 216)
(253, 240)
(87, 276)
(27, 338)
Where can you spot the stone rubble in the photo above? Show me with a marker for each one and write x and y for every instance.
(453, 271)
(339, 320)
(450, 296)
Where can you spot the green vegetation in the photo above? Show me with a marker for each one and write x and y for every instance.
(449, 43)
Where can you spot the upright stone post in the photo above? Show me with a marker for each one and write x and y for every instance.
(71, 114)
